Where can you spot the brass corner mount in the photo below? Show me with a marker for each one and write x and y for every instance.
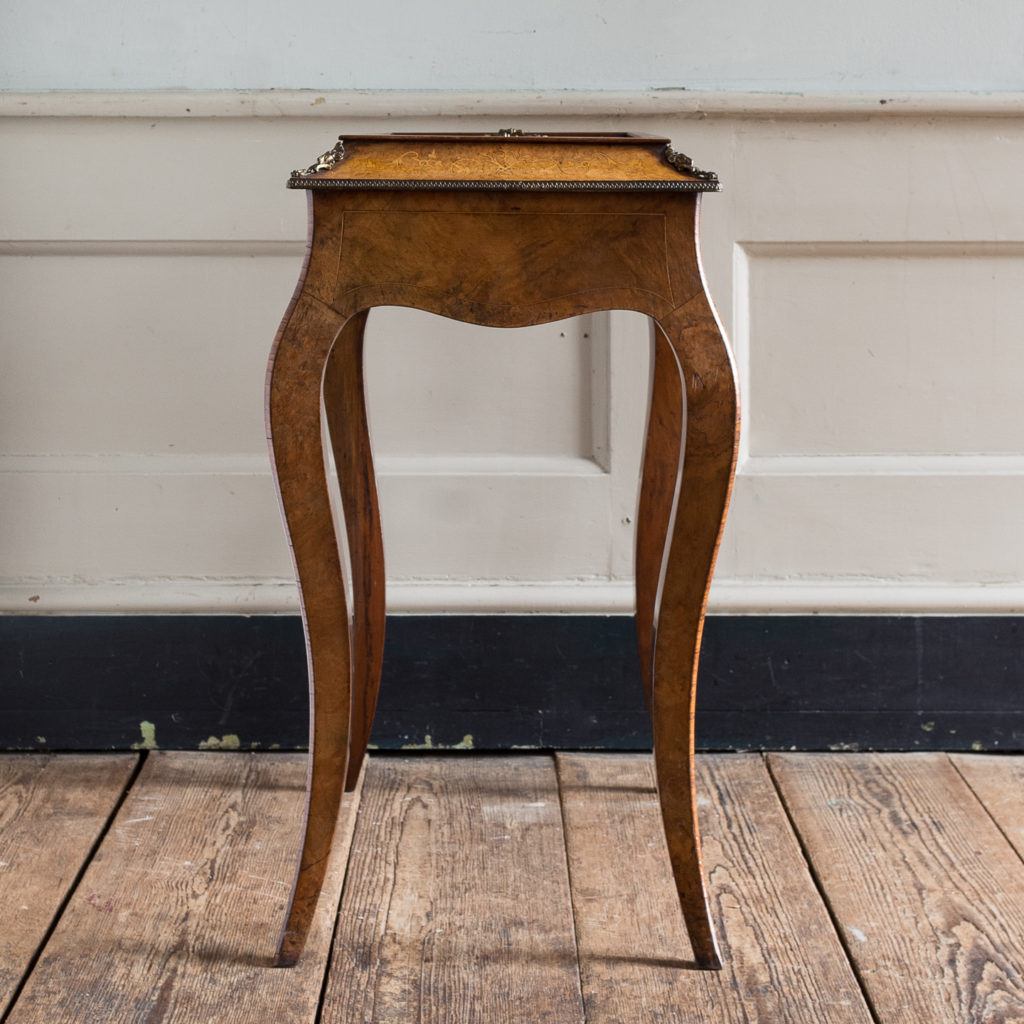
(325, 161)
(684, 164)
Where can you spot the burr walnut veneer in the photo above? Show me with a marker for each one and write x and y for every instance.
(504, 230)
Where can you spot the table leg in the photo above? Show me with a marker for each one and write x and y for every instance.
(293, 421)
(710, 418)
(659, 484)
(345, 405)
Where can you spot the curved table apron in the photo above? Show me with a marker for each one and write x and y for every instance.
(493, 259)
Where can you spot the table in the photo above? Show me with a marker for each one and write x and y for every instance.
(508, 229)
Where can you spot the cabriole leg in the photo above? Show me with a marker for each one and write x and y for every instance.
(704, 374)
(658, 485)
(293, 421)
(345, 405)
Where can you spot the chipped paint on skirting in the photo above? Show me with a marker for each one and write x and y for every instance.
(148, 741)
(466, 743)
(227, 742)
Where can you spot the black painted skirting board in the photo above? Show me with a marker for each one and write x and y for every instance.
(498, 682)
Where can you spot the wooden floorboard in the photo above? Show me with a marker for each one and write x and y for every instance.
(782, 959)
(177, 915)
(928, 892)
(52, 811)
(456, 905)
(514, 890)
(998, 781)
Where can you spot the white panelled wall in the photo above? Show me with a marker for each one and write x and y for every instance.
(867, 258)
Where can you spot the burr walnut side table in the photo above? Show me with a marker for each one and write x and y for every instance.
(505, 230)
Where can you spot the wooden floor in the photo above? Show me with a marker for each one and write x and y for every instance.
(523, 889)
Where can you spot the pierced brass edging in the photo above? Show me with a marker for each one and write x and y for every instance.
(301, 180)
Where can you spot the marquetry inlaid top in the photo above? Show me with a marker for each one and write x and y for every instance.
(506, 160)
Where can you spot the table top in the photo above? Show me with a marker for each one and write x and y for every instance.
(507, 160)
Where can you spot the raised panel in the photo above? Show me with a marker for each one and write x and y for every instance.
(439, 387)
(160, 178)
(875, 179)
(153, 349)
(156, 523)
(871, 349)
(150, 525)
(479, 528)
(930, 528)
